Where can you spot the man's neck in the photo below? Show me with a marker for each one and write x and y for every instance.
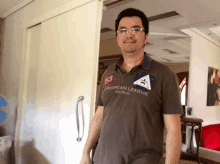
(132, 60)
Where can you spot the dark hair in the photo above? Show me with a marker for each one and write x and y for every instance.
(131, 12)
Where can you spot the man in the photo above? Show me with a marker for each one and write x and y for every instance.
(137, 98)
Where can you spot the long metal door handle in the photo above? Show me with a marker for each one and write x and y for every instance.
(77, 117)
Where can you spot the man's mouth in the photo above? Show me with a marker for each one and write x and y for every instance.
(129, 42)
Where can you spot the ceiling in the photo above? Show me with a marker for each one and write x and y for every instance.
(166, 42)
(7, 7)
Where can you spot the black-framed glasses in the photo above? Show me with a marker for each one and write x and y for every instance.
(132, 30)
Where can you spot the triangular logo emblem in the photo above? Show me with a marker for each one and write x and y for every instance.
(144, 82)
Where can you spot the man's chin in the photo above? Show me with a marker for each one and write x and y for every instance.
(130, 51)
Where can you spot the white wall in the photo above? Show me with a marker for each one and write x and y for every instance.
(12, 43)
(11, 58)
(204, 54)
(0, 46)
(12, 47)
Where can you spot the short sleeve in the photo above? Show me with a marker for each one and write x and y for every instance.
(171, 94)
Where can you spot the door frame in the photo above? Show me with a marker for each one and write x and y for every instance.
(25, 60)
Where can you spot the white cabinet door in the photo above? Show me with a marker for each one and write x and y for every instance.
(66, 69)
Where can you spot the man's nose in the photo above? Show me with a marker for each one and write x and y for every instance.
(129, 34)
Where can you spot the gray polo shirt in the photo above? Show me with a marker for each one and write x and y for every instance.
(134, 104)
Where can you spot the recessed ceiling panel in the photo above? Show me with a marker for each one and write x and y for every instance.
(163, 16)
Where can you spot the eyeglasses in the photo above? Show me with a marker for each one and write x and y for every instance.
(132, 30)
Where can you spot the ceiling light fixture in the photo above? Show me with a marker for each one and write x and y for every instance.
(168, 34)
(215, 30)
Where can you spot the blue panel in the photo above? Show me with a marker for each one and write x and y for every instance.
(2, 102)
(2, 115)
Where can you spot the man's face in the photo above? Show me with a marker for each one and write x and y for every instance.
(128, 42)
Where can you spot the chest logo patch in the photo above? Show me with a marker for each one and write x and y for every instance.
(109, 79)
(144, 81)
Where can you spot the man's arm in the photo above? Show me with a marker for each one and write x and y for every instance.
(173, 138)
(94, 133)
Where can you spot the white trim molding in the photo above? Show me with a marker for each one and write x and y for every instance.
(15, 8)
(205, 36)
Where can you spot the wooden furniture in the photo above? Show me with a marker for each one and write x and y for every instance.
(192, 122)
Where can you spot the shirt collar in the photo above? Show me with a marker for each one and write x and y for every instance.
(145, 63)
